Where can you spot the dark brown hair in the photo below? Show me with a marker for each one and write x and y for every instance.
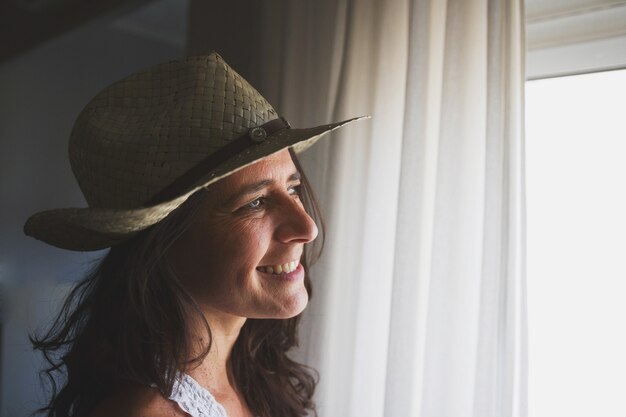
(128, 320)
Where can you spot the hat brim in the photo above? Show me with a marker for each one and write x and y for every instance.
(89, 229)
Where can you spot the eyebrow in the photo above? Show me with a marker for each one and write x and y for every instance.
(253, 188)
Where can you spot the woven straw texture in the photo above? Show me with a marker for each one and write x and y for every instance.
(140, 134)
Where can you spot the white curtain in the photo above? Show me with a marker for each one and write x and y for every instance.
(419, 305)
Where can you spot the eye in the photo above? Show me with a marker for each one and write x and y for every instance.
(260, 203)
(296, 190)
(255, 204)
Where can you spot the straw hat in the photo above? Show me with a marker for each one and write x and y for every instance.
(143, 145)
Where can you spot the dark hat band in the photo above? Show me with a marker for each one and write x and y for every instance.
(254, 136)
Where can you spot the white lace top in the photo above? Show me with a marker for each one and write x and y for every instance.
(194, 399)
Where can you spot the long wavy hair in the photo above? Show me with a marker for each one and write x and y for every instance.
(129, 320)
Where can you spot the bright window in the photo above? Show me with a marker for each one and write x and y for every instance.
(576, 188)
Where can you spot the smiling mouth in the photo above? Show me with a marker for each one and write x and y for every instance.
(280, 269)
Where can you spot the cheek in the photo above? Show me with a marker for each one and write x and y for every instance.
(230, 250)
(193, 255)
(242, 244)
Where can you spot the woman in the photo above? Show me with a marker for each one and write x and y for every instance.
(192, 180)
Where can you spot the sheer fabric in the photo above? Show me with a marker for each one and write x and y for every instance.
(194, 399)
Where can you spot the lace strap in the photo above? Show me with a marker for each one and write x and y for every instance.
(194, 399)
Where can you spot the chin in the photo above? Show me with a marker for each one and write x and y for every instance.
(290, 308)
(293, 313)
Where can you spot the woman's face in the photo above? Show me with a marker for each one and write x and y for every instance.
(249, 227)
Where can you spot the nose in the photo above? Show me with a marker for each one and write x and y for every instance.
(295, 225)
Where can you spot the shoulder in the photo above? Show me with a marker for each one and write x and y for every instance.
(134, 400)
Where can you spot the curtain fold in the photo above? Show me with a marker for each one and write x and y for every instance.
(362, 61)
(419, 300)
(461, 216)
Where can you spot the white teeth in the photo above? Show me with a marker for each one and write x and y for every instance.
(280, 269)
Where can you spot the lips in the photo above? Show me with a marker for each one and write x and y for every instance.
(297, 275)
(279, 269)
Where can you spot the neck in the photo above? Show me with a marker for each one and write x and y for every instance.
(214, 370)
